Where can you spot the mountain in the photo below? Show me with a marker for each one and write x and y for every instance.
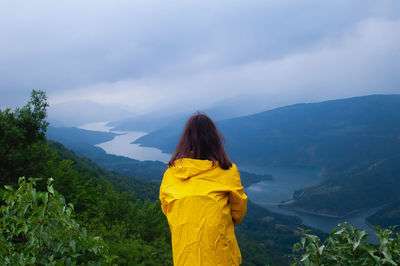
(356, 141)
(148, 122)
(72, 136)
(176, 118)
(386, 217)
(77, 113)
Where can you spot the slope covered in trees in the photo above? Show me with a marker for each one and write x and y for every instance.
(133, 228)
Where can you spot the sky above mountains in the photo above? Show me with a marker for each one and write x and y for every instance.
(147, 55)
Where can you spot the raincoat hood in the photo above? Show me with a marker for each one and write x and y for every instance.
(186, 168)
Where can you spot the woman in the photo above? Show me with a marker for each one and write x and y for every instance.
(202, 196)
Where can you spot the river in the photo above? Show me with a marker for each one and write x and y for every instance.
(122, 144)
(288, 179)
(266, 193)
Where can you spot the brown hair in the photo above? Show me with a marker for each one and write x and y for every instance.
(201, 139)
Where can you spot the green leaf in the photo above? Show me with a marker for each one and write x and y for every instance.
(45, 198)
(321, 249)
(296, 247)
(295, 262)
(305, 256)
(72, 244)
(34, 194)
(50, 189)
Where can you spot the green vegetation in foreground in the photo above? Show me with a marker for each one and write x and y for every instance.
(348, 246)
(37, 228)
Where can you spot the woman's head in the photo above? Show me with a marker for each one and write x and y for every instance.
(201, 139)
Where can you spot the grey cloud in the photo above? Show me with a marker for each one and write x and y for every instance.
(68, 48)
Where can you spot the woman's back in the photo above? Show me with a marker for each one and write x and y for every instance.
(202, 202)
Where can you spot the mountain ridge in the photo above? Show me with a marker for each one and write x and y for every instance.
(341, 136)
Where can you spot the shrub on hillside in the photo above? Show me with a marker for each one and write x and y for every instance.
(38, 228)
(348, 246)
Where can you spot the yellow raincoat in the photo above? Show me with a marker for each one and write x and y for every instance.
(202, 203)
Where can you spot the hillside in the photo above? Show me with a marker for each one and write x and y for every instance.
(344, 137)
(121, 210)
(74, 136)
(388, 216)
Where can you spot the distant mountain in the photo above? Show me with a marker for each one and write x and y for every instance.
(77, 113)
(72, 136)
(356, 141)
(148, 122)
(175, 119)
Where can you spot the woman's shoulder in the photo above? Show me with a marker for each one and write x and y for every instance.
(228, 176)
(232, 169)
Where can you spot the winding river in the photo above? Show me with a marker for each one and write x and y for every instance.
(122, 144)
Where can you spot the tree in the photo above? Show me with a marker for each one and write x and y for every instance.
(22, 134)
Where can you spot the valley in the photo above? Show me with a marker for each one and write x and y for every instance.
(272, 193)
(306, 161)
(354, 140)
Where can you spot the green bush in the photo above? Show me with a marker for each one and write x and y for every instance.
(348, 246)
(38, 228)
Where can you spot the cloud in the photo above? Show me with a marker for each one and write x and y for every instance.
(149, 54)
(365, 60)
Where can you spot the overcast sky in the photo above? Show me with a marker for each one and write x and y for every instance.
(151, 54)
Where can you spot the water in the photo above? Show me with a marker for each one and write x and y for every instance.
(288, 179)
(326, 224)
(122, 144)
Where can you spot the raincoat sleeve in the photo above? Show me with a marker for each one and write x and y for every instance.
(162, 196)
(237, 198)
